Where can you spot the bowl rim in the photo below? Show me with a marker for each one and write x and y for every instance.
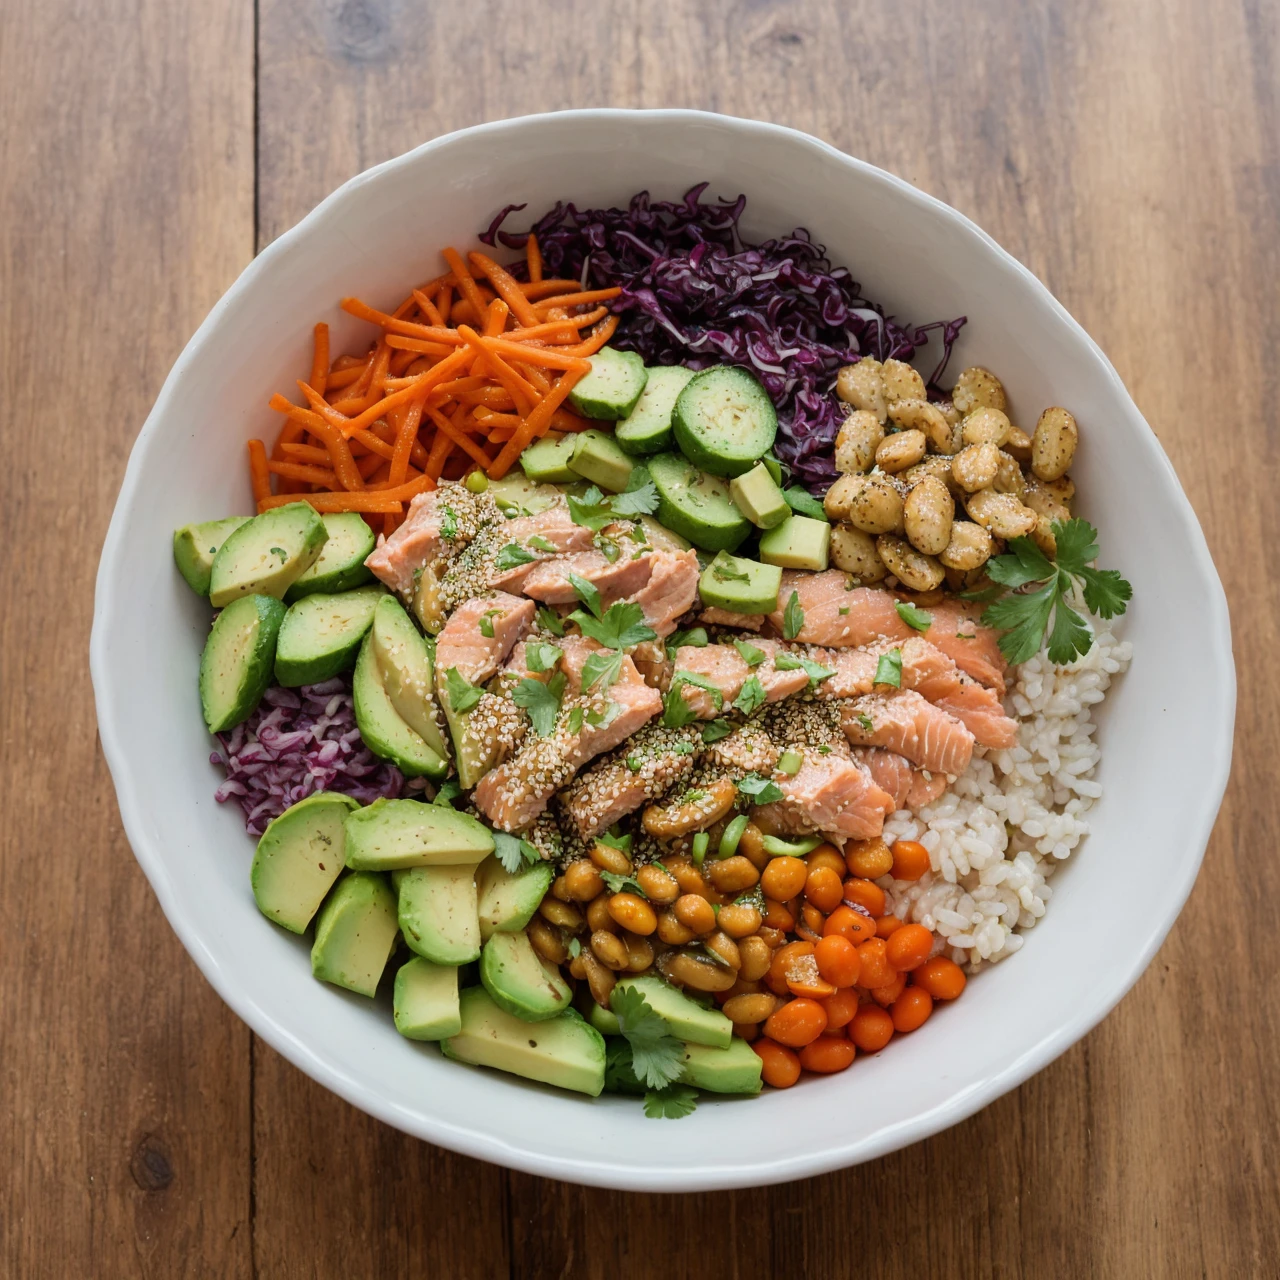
(598, 1172)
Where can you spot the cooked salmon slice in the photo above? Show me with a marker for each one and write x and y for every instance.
(905, 722)
(516, 792)
(830, 794)
(553, 528)
(728, 670)
(931, 672)
(975, 649)
(925, 788)
(415, 543)
(642, 768)
(715, 617)
(464, 644)
(548, 581)
(672, 589)
(896, 775)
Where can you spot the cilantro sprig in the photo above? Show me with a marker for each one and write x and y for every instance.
(655, 1053)
(541, 701)
(462, 694)
(792, 617)
(513, 852)
(593, 510)
(1025, 615)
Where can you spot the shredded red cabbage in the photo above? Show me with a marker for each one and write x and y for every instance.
(695, 293)
(296, 742)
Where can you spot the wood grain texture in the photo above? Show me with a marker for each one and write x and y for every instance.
(1127, 151)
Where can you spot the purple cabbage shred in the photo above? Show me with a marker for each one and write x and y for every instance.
(695, 293)
(299, 741)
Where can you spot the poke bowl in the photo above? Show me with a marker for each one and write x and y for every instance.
(666, 622)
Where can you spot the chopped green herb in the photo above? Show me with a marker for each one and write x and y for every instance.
(715, 730)
(541, 701)
(844, 613)
(695, 637)
(575, 719)
(823, 749)
(539, 543)
(462, 695)
(816, 672)
(889, 669)
(866, 722)
(761, 790)
(598, 719)
(751, 697)
(513, 852)
(792, 617)
(622, 626)
(752, 656)
(676, 710)
(281, 552)
(622, 884)
(512, 556)
(602, 669)
(486, 622)
(615, 841)
(447, 793)
(449, 525)
(640, 498)
(607, 548)
(700, 682)
(634, 764)
(671, 1103)
(683, 748)
(913, 617)
(656, 1053)
(549, 620)
(541, 657)
(591, 510)
(587, 593)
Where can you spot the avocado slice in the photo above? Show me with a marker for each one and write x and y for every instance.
(438, 912)
(390, 835)
(383, 729)
(299, 857)
(195, 545)
(474, 754)
(660, 538)
(520, 981)
(266, 555)
(518, 493)
(355, 933)
(507, 901)
(340, 564)
(405, 660)
(759, 498)
(687, 1019)
(739, 585)
(604, 1021)
(596, 457)
(321, 634)
(547, 460)
(235, 667)
(425, 1003)
(735, 1069)
(799, 542)
(565, 1050)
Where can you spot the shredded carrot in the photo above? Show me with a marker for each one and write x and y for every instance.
(563, 420)
(596, 341)
(444, 301)
(402, 343)
(463, 442)
(408, 328)
(466, 283)
(321, 476)
(303, 453)
(520, 391)
(429, 309)
(323, 502)
(568, 326)
(340, 378)
(533, 258)
(259, 473)
(531, 354)
(581, 299)
(507, 287)
(535, 424)
(546, 288)
(535, 375)
(320, 359)
(495, 318)
(408, 416)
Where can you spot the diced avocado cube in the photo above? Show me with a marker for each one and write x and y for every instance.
(565, 1050)
(597, 457)
(425, 1004)
(797, 543)
(605, 1022)
(389, 835)
(546, 461)
(759, 498)
(733, 1069)
(687, 1019)
(790, 763)
(739, 585)
(355, 933)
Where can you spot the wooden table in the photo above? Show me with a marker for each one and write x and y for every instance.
(1126, 150)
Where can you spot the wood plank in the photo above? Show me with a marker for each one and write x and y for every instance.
(126, 209)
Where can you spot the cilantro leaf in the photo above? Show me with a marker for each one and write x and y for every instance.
(676, 710)
(792, 617)
(602, 669)
(640, 500)
(868, 725)
(512, 556)
(622, 626)
(586, 592)
(889, 669)
(1076, 544)
(462, 695)
(752, 656)
(575, 719)
(1070, 635)
(513, 852)
(695, 638)
(549, 620)
(656, 1054)
(1106, 593)
(1027, 563)
(615, 842)
(541, 657)
(671, 1103)
(607, 547)
(761, 790)
(714, 730)
(591, 510)
(816, 672)
(912, 616)
(541, 701)
(599, 719)
(622, 884)
(447, 793)
(539, 543)
(981, 596)
(449, 525)
(1023, 619)
(750, 697)
(700, 682)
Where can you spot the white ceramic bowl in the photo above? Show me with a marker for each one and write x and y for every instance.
(1165, 732)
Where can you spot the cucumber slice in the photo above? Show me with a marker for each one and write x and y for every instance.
(235, 667)
(438, 912)
(340, 565)
(406, 660)
(382, 727)
(596, 457)
(647, 428)
(695, 505)
(547, 461)
(195, 545)
(425, 1004)
(267, 555)
(797, 543)
(321, 635)
(724, 421)
(740, 586)
(612, 388)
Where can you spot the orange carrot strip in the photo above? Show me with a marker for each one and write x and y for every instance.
(490, 397)
(533, 257)
(333, 439)
(535, 290)
(324, 502)
(339, 378)
(495, 319)
(441, 447)
(521, 392)
(410, 416)
(466, 283)
(579, 299)
(292, 451)
(374, 444)
(377, 377)
(507, 287)
(429, 308)
(488, 418)
(343, 364)
(457, 437)
(407, 328)
(300, 471)
(444, 301)
(259, 475)
(401, 361)
(563, 420)
(369, 465)
(320, 359)
(596, 340)
(535, 424)
(430, 348)
(531, 354)
(555, 328)
(541, 383)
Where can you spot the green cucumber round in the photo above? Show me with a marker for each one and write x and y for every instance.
(724, 421)
(612, 388)
(647, 428)
(695, 505)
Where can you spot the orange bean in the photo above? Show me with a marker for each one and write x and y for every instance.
(850, 924)
(887, 925)
(780, 1068)
(886, 995)
(871, 1028)
(633, 912)
(797, 1023)
(862, 893)
(870, 859)
(840, 1008)
(910, 860)
(782, 961)
(909, 947)
(875, 965)
(822, 887)
(828, 1054)
(826, 855)
(783, 878)
(838, 960)
(812, 919)
(911, 1009)
(943, 979)
(777, 916)
(694, 912)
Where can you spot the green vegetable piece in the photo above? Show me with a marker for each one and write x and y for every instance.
(236, 665)
(647, 428)
(790, 763)
(696, 505)
(321, 634)
(724, 421)
(701, 842)
(776, 847)
(438, 914)
(355, 933)
(195, 545)
(758, 497)
(340, 565)
(596, 457)
(390, 835)
(799, 542)
(803, 503)
(425, 1003)
(613, 387)
(385, 731)
(740, 585)
(266, 555)
(734, 1069)
(732, 835)
(519, 981)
